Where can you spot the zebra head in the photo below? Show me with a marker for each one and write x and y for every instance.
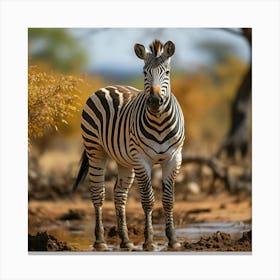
(156, 73)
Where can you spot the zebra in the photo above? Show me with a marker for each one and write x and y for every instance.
(137, 129)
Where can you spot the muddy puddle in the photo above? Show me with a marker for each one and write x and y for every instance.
(79, 235)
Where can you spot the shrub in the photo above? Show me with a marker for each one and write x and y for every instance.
(52, 99)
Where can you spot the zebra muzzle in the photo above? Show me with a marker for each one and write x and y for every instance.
(154, 102)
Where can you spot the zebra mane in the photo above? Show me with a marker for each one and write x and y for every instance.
(156, 48)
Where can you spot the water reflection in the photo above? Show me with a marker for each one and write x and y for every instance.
(80, 235)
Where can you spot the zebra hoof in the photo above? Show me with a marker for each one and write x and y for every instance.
(129, 246)
(100, 246)
(175, 245)
(149, 246)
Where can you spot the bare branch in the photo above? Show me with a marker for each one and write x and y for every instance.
(213, 163)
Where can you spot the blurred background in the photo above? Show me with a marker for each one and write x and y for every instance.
(210, 76)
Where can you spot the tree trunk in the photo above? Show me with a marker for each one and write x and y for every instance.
(238, 136)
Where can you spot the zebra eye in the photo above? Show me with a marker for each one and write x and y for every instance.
(145, 72)
(167, 72)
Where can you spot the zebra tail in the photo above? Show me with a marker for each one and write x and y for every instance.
(82, 172)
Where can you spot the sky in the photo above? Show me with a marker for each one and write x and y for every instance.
(113, 48)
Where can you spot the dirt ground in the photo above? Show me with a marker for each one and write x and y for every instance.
(76, 214)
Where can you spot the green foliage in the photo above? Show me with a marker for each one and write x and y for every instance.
(56, 47)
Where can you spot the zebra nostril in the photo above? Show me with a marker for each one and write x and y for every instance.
(155, 100)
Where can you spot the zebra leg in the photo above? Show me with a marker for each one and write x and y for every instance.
(143, 176)
(169, 170)
(123, 184)
(97, 190)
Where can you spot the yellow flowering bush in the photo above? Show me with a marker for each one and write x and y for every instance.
(52, 99)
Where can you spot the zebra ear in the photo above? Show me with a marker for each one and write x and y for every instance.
(140, 51)
(169, 49)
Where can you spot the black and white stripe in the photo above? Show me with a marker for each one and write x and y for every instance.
(137, 129)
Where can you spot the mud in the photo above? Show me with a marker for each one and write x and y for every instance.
(42, 241)
(221, 241)
(203, 223)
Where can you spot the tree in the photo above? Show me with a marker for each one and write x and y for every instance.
(56, 47)
(238, 136)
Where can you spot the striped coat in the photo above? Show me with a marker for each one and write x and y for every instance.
(137, 129)
(114, 118)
